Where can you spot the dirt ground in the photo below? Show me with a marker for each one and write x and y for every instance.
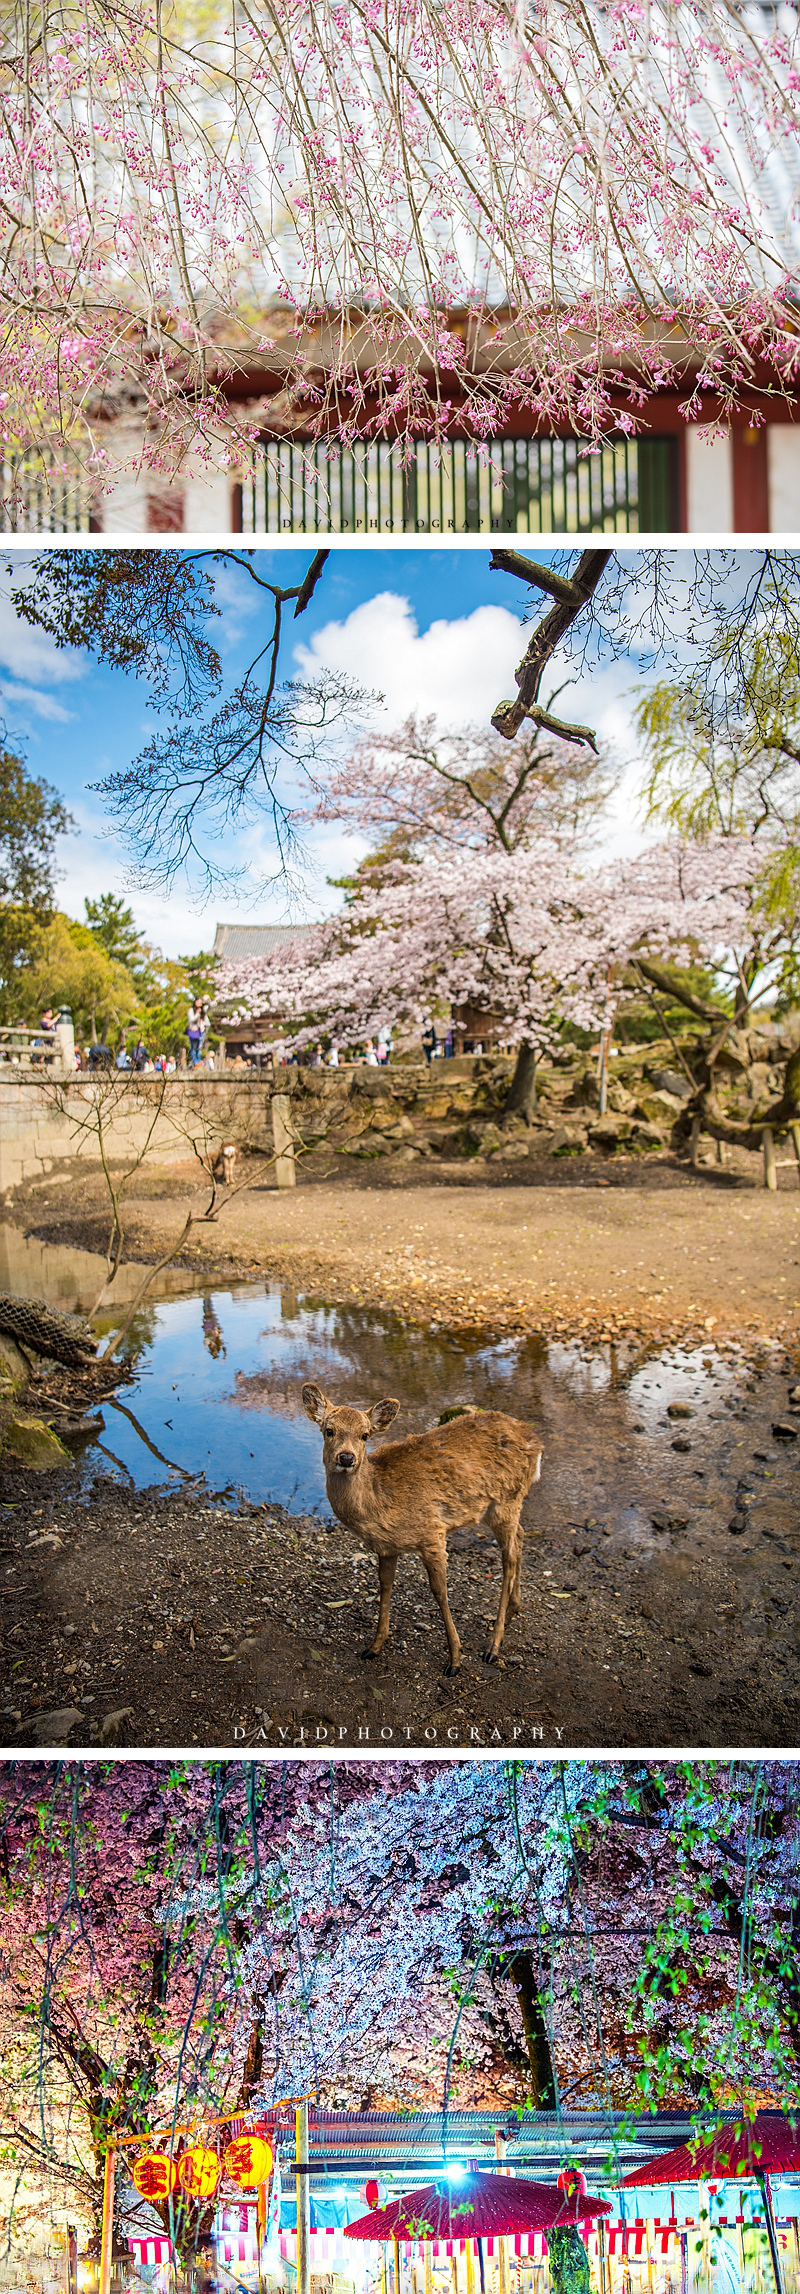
(653, 1248)
(163, 1618)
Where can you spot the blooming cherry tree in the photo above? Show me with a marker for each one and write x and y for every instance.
(523, 937)
(404, 217)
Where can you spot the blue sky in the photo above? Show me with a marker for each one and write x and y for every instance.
(430, 628)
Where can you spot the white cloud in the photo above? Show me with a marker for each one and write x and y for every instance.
(459, 669)
(42, 704)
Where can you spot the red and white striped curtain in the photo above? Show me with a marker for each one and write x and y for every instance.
(148, 2250)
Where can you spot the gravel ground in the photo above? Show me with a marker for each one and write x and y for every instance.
(156, 1618)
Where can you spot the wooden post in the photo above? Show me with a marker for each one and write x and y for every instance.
(605, 1051)
(694, 1141)
(770, 1170)
(794, 1129)
(283, 1139)
(303, 2189)
(470, 2255)
(605, 2280)
(107, 2231)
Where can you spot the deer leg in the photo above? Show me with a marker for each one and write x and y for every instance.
(508, 1533)
(387, 1568)
(436, 1566)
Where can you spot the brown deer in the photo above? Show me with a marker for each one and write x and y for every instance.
(408, 1496)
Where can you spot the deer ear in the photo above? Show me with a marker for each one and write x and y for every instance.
(314, 1404)
(382, 1413)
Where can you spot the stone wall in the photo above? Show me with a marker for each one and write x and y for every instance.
(45, 1128)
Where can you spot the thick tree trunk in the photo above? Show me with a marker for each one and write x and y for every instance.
(542, 2075)
(521, 1097)
(569, 2262)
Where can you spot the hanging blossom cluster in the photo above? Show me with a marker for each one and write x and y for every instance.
(520, 936)
(402, 211)
(369, 1964)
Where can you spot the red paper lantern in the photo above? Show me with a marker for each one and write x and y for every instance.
(249, 2161)
(572, 2182)
(154, 2176)
(199, 2172)
(371, 2194)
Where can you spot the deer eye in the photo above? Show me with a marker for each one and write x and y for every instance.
(330, 1433)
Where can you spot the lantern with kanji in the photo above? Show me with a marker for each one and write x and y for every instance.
(371, 2194)
(199, 2172)
(572, 2182)
(249, 2161)
(155, 2175)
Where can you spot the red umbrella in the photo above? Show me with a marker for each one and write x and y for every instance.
(769, 2144)
(749, 2148)
(477, 2206)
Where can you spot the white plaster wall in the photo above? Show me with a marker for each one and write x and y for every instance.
(124, 508)
(709, 484)
(783, 477)
(207, 502)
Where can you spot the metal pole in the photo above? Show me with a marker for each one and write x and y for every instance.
(763, 2182)
(107, 2233)
(303, 2189)
(502, 2243)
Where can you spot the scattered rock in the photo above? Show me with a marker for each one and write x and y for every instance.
(668, 1079)
(679, 1410)
(784, 1433)
(113, 1723)
(682, 1445)
(569, 1140)
(609, 1130)
(80, 1429)
(54, 1728)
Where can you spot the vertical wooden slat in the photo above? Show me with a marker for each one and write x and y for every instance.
(303, 2189)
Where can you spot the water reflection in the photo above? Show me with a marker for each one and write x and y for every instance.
(216, 1394)
(231, 1409)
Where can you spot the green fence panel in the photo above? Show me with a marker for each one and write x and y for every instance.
(513, 485)
(39, 497)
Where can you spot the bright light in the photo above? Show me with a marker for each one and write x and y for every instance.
(456, 2172)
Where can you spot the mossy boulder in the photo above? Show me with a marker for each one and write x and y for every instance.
(32, 1443)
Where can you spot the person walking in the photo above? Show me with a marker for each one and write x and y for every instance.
(429, 1040)
(194, 1030)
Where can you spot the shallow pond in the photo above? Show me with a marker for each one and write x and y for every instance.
(218, 1374)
